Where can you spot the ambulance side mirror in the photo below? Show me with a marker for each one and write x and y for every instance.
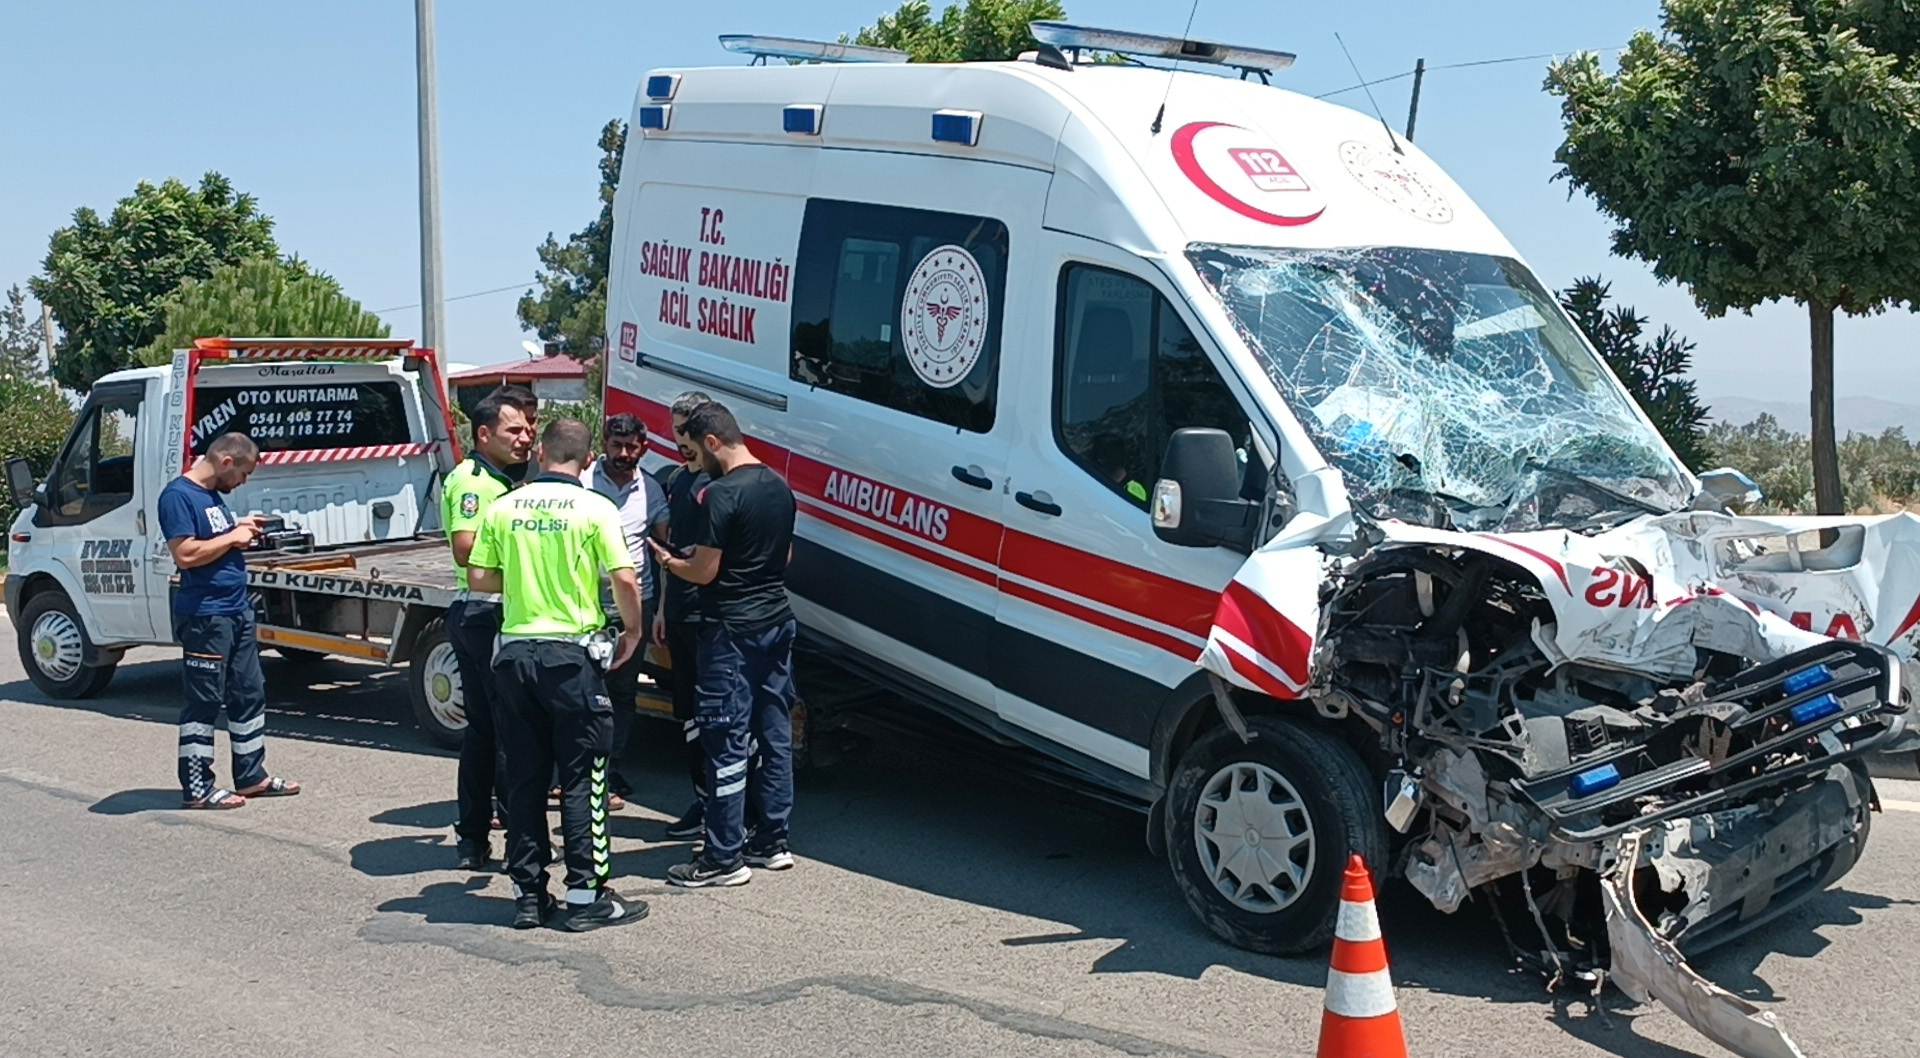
(1727, 487)
(1196, 502)
(21, 484)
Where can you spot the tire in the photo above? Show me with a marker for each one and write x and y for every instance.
(1317, 790)
(433, 682)
(53, 645)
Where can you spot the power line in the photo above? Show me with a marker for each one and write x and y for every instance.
(1460, 66)
(459, 297)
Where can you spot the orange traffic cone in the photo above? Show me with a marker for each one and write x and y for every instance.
(1361, 1018)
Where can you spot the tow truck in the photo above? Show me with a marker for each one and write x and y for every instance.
(356, 438)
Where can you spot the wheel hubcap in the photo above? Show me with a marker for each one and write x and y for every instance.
(57, 646)
(1254, 837)
(443, 688)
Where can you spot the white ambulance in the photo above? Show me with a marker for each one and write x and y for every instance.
(1208, 439)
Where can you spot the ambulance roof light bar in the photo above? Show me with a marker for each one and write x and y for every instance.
(764, 48)
(1067, 37)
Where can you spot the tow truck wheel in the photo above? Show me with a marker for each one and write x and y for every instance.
(1259, 833)
(433, 677)
(54, 648)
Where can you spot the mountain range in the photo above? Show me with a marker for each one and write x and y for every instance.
(1868, 415)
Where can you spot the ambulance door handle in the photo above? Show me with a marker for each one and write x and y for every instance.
(972, 475)
(1038, 501)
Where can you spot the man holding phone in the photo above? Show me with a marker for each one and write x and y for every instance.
(213, 620)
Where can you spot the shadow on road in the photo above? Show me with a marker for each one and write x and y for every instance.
(131, 802)
(947, 822)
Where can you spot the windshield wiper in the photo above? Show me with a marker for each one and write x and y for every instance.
(1605, 490)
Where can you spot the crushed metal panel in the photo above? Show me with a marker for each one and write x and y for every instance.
(1646, 967)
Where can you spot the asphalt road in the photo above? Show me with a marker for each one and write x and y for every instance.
(935, 911)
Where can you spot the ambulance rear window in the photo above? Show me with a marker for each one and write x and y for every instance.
(901, 308)
(299, 418)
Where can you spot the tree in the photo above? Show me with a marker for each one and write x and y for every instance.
(1761, 150)
(270, 298)
(105, 280)
(19, 341)
(967, 31)
(1655, 372)
(569, 305)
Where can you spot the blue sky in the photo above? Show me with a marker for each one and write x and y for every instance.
(310, 107)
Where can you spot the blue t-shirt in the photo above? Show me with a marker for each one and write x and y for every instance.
(219, 588)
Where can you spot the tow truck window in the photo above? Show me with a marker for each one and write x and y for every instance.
(1129, 374)
(95, 473)
(901, 308)
(299, 418)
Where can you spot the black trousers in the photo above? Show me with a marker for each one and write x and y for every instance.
(552, 710)
(684, 656)
(623, 687)
(471, 629)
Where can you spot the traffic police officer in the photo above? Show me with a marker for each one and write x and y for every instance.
(544, 548)
(502, 442)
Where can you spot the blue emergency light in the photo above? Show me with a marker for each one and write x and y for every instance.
(957, 126)
(1591, 782)
(655, 117)
(662, 86)
(1819, 709)
(1807, 679)
(803, 120)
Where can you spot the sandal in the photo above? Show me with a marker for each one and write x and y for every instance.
(217, 800)
(615, 802)
(273, 787)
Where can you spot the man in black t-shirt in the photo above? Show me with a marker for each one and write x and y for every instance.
(679, 618)
(745, 648)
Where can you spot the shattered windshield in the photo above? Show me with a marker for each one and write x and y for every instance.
(1447, 387)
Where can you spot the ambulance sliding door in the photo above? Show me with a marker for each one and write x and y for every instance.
(1099, 619)
(899, 425)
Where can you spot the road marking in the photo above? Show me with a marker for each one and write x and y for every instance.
(1900, 806)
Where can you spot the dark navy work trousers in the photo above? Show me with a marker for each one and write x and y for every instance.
(746, 695)
(220, 665)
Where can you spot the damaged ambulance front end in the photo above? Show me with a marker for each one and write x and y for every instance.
(1631, 723)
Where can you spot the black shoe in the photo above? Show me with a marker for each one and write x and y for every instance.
(531, 910)
(700, 873)
(474, 855)
(611, 909)
(691, 824)
(773, 856)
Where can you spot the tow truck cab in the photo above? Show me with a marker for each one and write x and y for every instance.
(355, 437)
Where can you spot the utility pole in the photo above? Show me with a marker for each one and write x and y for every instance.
(46, 334)
(1413, 107)
(433, 313)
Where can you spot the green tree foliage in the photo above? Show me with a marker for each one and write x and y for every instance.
(967, 31)
(270, 298)
(1655, 371)
(105, 279)
(19, 341)
(1762, 150)
(36, 423)
(1878, 473)
(568, 305)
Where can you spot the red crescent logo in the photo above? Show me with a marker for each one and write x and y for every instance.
(1183, 156)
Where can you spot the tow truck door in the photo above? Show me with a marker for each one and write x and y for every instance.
(96, 515)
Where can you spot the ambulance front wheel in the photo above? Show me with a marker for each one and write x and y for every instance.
(54, 648)
(1259, 833)
(433, 682)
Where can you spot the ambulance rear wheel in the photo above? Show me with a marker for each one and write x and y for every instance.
(433, 682)
(1259, 833)
(54, 648)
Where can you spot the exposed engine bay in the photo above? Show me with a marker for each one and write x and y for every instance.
(1611, 818)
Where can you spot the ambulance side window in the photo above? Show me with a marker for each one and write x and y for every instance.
(901, 308)
(1129, 373)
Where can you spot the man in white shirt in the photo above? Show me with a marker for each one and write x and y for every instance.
(643, 513)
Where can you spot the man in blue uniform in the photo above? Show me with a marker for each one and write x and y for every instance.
(214, 623)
